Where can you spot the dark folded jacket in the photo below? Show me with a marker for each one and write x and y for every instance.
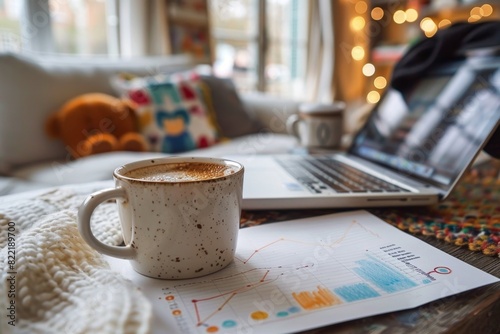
(448, 44)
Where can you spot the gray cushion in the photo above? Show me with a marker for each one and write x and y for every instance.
(233, 118)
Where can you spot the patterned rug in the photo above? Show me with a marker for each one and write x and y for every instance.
(469, 217)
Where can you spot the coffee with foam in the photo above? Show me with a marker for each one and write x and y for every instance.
(181, 172)
(170, 208)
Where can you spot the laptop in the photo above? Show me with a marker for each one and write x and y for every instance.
(412, 150)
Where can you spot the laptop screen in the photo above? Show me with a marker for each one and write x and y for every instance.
(435, 130)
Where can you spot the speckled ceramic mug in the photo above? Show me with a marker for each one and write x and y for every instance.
(172, 229)
(318, 125)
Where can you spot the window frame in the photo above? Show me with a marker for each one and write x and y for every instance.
(259, 39)
(36, 27)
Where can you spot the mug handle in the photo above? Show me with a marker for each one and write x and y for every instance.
(291, 125)
(85, 213)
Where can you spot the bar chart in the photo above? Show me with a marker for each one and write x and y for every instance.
(308, 273)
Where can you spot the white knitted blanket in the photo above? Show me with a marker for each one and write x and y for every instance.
(56, 283)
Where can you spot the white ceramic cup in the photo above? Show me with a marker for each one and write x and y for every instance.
(318, 125)
(172, 230)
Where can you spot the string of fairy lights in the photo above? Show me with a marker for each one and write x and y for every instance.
(411, 14)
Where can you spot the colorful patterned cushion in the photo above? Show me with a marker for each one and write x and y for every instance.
(173, 113)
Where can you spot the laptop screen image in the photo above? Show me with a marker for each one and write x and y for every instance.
(435, 130)
(412, 150)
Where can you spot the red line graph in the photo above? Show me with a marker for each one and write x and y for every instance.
(334, 243)
(267, 277)
(263, 280)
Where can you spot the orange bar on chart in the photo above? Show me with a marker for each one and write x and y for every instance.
(316, 299)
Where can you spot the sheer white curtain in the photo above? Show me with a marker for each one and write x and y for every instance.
(134, 28)
(142, 28)
(36, 32)
(321, 55)
(332, 72)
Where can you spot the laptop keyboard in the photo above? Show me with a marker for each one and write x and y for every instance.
(320, 174)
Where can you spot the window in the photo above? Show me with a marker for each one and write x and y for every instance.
(56, 26)
(79, 26)
(261, 44)
(10, 29)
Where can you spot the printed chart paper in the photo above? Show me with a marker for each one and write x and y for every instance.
(297, 275)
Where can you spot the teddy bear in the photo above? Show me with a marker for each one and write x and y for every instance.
(95, 123)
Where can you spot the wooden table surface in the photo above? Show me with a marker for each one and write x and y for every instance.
(474, 311)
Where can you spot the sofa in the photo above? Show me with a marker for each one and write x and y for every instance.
(31, 88)
(51, 280)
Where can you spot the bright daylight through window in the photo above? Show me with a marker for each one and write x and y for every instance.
(67, 27)
(261, 44)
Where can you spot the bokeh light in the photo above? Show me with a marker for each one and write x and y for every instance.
(380, 82)
(473, 18)
(368, 69)
(373, 97)
(399, 16)
(444, 23)
(486, 10)
(377, 13)
(358, 53)
(360, 7)
(357, 23)
(428, 26)
(476, 11)
(411, 15)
